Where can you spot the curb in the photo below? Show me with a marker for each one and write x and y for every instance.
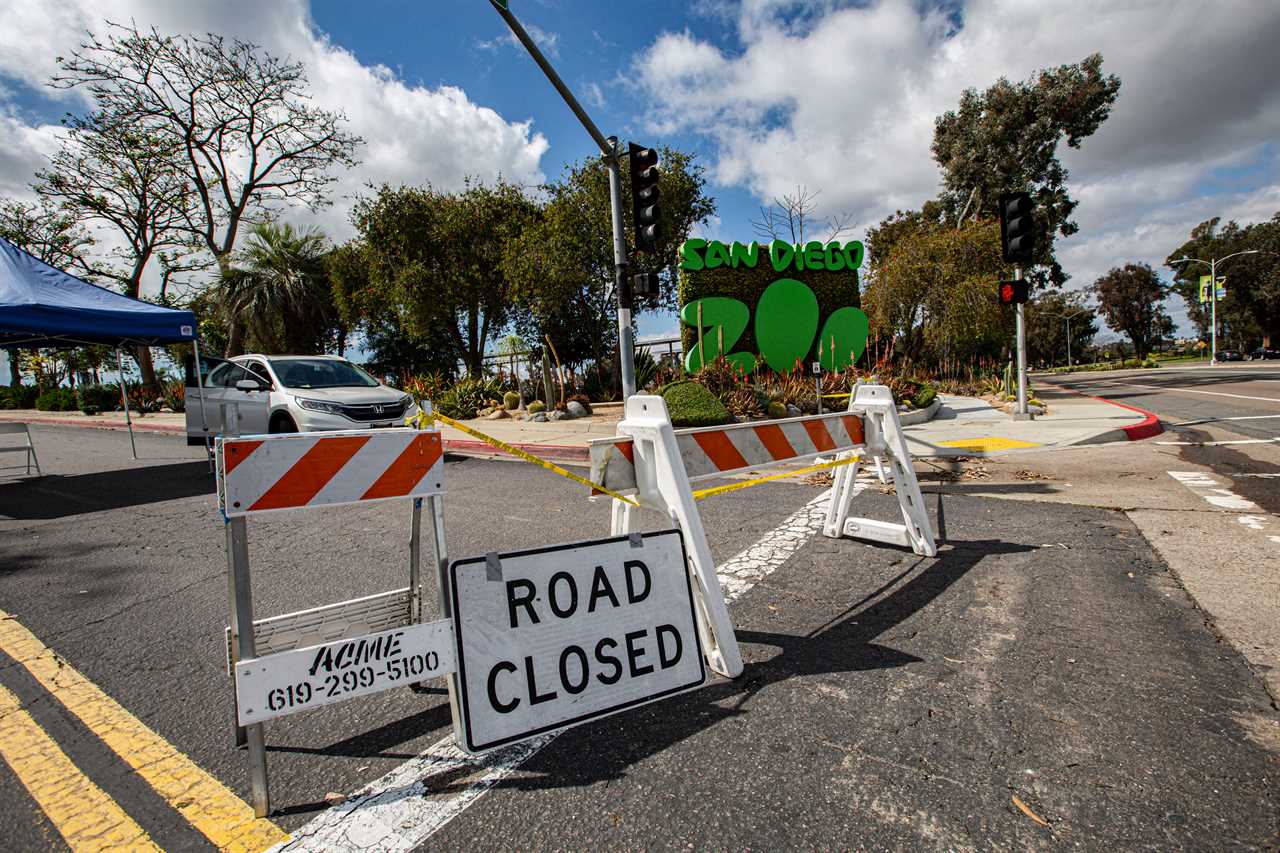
(1146, 428)
(561, 452)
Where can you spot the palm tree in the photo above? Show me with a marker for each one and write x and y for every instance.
(276, 297)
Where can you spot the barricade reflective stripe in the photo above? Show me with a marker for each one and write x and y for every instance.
(717, 451)
(301, 470)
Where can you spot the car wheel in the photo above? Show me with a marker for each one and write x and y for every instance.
(281, 422)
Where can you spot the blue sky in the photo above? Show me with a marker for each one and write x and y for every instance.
(770, 94)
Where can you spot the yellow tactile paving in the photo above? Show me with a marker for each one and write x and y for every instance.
(208, 805)
(985, 444)
(87, 818)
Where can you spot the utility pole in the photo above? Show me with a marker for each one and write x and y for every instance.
(609, 152)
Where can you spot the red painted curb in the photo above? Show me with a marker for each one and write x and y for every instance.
(563, 452)
(1146, 428)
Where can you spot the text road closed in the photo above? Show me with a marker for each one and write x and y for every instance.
(557, 636)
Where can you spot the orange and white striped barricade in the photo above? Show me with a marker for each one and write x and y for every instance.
(658, 463)
(298, 661)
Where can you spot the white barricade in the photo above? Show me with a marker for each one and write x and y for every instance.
(657, 463)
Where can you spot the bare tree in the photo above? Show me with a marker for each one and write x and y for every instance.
(241, 119)
(794, 217)
(126, 177)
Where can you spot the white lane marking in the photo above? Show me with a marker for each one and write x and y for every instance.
(1221, 443)
(1268, 476)
(1215, 420)
(1212, 491)
(1117, 383)
(1253, 522)
(398, 813)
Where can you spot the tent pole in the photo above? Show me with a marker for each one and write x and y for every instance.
(125, 397)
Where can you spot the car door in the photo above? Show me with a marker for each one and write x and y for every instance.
(203, 397)
(254, 406)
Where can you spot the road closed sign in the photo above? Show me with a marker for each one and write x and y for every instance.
(553, 637)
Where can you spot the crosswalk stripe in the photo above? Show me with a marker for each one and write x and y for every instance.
(83, 814)
(208, 805)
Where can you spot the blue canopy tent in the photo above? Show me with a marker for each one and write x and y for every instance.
(42, 306)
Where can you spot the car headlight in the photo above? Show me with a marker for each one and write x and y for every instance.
(319, 406)
(406, 400)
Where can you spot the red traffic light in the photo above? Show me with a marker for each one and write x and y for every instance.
(1013, 292)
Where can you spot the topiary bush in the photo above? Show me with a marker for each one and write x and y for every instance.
(57, 400)
(537, 406)
(692, 404)
(511, 401)
(18, 397)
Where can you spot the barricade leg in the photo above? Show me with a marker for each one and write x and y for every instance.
(662, 480)
(435, 505)
(243, 645)
(843, 487)
(415, 563)
(620, 518)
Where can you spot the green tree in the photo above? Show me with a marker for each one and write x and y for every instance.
(1129, 300)
(49, 233)
(1250, 313)
(437, 262)
(1006, 139)
(934, 293)
(279, 292)
(1049, 317)
(563, 263)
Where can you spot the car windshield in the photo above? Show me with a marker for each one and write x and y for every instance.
(320, 373)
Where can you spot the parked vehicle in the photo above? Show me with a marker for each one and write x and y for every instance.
(1230, 355)
(291, 393)
(1264, 353)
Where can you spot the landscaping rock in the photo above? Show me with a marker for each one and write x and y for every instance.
(558, 415)
(538, 417)
(497, 415)
(793, 412)
(577, 410)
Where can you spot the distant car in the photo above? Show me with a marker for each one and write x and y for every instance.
(1263, 353)
(1230, 355)
(292, 393)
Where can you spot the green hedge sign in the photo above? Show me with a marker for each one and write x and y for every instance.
(792, 286)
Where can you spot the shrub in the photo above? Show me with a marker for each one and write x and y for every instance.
(100, 398)
(57, 400)
(175, 395)
(692, 404)
(537, 406)
(511, 401)
(466, 397)
(18, 397)
(924, 397)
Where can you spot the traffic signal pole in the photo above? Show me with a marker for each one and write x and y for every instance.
(1020, 310)
(609, 151)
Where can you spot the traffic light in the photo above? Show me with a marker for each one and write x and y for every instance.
(1013, 292)
(645, 285)
(644, 196)
(1017, 228)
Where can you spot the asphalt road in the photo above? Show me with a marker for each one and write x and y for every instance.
(888, 702)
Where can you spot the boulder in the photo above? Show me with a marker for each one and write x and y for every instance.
(497, 415)
(576, 409)
(558, 415)
(538, 417)
(793, 411)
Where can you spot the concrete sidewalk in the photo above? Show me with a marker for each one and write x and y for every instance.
(963, 426)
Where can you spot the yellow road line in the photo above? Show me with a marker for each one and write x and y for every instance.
(208, 805)
(82, 812)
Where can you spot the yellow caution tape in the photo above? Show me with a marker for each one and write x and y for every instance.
(422, 420)
(746, 484)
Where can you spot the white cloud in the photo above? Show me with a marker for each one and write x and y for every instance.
(413, 134)
(547, 42)
(842, 99)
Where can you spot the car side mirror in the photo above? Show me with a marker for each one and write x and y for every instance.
(249, 385)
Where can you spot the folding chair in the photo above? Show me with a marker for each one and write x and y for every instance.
(29, 448)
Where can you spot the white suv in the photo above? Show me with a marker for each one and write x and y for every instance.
(291, 393)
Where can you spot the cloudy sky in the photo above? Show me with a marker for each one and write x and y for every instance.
(837, 96)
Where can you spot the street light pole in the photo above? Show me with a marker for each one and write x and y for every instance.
(609, 151)
(1212, 264)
